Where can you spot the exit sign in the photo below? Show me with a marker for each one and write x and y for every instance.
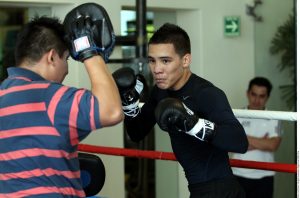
(232, 26)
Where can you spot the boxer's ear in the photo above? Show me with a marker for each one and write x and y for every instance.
(186, 60)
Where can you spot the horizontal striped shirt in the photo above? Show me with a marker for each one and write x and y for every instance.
(41, 124)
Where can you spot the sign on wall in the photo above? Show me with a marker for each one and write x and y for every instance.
(232, 25)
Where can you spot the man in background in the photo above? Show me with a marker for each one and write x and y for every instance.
(264, 137)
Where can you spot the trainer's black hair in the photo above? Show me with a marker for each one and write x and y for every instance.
(172, 34)
(38, 37)
(261, 81)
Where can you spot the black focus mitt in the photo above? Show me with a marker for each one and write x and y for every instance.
(89, 32)
(92, 173)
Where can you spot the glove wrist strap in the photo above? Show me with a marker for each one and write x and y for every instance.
(202, 129)
(139, 86)
(132, 110)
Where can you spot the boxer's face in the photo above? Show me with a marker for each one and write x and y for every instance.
(257, 97)
(169, 70)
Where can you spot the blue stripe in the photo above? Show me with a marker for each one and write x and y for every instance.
(15, 185)
(28, 96)
(42, 162)
(53, 195)
(21, 120)
(43, 142)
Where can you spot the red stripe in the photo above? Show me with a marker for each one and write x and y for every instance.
(74, 116)
(22, 108)
(26, 131)
(34, 152)
(40, 172)
(44, 190)
(54, 101)
(24, 88)
(92, 114)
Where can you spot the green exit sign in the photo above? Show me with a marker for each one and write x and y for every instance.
(232, 26)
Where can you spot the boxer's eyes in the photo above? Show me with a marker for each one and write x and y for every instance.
(166, 61)
(151, 61)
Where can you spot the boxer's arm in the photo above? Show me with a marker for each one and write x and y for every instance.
(231, 137)
(140, 126)
(230, 134)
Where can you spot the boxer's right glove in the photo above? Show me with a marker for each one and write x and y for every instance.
(130, 88)
(89, 32)
(173, 116)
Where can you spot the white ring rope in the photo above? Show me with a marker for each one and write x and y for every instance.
(262, 114)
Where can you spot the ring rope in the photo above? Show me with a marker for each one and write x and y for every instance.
(262, 114)
(279, 167)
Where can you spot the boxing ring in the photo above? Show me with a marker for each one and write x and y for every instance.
(160, 155)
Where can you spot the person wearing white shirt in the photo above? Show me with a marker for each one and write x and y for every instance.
(264, 137)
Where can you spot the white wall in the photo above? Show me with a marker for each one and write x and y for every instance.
(266, 65)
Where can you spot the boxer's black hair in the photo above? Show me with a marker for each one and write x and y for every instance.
(172, 34)
(38, 37)
(261, 81)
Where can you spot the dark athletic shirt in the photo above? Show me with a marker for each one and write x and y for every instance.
(201, 161)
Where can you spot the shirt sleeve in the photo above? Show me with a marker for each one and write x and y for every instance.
(276, 130)
(73, 111)
(230, 135)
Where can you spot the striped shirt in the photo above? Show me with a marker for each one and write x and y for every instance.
(41, 124)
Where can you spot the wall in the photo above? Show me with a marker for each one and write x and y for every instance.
(266, 65)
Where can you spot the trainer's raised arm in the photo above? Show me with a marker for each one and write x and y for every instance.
(91, 40)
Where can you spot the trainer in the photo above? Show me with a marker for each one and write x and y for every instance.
(43, 121)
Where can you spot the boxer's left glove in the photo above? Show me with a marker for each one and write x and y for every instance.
(130, 87)
(173, 116)
(89, 32)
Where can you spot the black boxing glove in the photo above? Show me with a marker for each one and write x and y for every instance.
(89, 32)
(173, 116)
(130, 88)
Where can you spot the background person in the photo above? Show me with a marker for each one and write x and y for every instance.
(264, 137)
